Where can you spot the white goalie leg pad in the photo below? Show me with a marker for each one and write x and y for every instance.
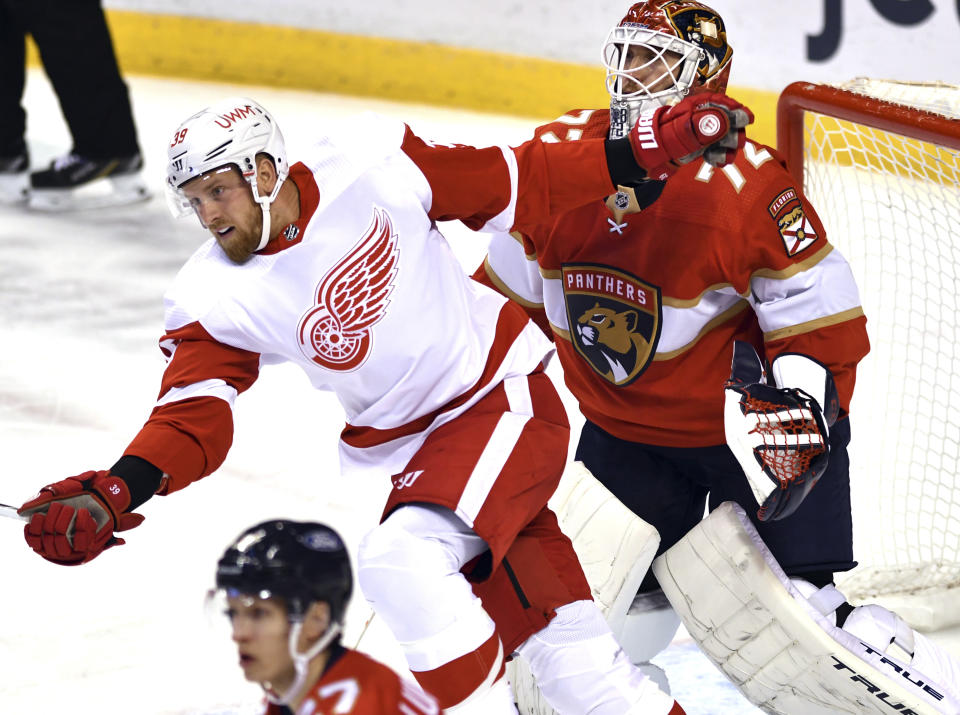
(526, 692)
(615, 548)
(776, 646)
(614, 545)
(887, 633)
(581, 669)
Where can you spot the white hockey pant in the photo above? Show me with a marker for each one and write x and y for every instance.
(409, 572)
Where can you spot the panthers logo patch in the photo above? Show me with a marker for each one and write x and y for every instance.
(614, 320)
(795, 228)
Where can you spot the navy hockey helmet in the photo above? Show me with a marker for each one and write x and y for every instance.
(298, 562)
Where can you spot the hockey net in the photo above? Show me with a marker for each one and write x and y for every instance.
(880, 162)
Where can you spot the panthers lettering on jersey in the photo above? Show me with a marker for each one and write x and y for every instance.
(362, 293)
(355, 684)
(677, 272)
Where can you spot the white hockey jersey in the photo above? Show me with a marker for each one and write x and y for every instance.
(364, 294)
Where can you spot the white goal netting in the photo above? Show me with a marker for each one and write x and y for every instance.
(891, 204)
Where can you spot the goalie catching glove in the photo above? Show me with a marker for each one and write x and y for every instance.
(779, 434)
(72, 521)
(708, 124)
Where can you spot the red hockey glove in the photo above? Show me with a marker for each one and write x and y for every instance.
(777, 434)
(73, 521)
(708, 124)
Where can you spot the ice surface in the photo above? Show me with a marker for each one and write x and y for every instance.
(80, 314)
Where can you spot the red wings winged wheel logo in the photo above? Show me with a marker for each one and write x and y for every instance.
(352, 297)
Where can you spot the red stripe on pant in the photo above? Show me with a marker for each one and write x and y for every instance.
(457, 680)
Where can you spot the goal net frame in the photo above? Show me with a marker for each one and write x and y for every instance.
(905, 480)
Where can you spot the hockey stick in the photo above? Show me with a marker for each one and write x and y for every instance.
(10, 512)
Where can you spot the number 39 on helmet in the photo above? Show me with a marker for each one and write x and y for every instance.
(232, 131)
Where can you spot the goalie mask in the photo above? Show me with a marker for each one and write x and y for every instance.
(232, 131)
(298, 563)
(660, 52)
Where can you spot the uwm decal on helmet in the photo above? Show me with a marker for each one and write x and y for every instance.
(700, 25)
(795, 228)
(614, 319)
(351, 298)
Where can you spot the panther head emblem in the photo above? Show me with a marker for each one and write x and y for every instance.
(613, 335)
(613, 319)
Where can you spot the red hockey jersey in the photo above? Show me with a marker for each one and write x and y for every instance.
(645, 303)
(356, 684)
(363, 293)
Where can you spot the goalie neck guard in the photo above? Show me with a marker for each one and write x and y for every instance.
(232, 131)
(661, 51)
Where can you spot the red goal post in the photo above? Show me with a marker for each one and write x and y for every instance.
(880, 162)
(800, 97)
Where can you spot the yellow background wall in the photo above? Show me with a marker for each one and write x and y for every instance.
(257, 54)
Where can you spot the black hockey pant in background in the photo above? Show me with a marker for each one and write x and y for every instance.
(78, 57)
(668, 487)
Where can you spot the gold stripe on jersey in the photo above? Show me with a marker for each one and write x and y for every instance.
(518, 237)
(694, 302)
(812, 325)
(424, 72)
(794, 268)
(726, 315)
(505, 289)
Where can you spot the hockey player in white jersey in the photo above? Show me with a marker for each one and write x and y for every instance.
(335, 263)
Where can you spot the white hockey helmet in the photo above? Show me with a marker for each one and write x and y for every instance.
(686, 51)
(232, 131)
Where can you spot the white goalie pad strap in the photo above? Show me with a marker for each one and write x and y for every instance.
(826, 600)
(614, 545)
(781, 653)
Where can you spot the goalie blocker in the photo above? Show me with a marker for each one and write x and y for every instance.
(783, 650)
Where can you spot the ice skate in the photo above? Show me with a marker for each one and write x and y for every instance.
(76, 182)
(14, 179)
